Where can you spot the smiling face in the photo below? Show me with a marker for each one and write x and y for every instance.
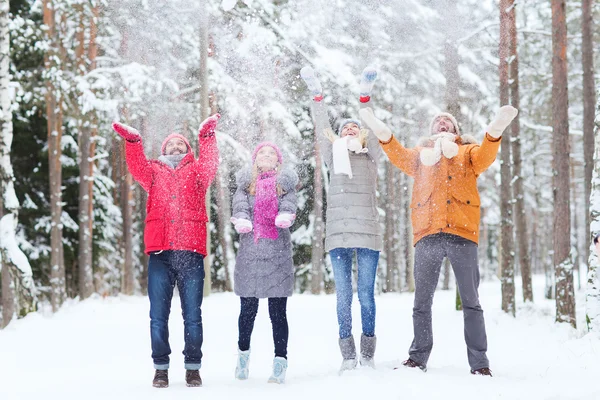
(266, 159)
(443, 124)
(350, 129)
(175, 146)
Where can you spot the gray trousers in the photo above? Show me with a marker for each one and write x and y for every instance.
(462, 253)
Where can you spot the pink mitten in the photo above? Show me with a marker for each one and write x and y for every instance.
(284, 220)
(126, 132)
(207, 127)
(241, 225)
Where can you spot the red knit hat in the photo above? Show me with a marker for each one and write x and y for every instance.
(270, 144)
(173, 136)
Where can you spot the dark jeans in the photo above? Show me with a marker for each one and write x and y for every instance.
(186, 270)
(277, 312)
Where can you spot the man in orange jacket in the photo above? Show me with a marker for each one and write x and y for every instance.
(445, 218)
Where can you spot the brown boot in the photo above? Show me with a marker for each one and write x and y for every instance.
(192, 378)
(482, 371)
(410, 363)
(161, 378)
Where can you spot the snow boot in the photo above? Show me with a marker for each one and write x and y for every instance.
(348, 350)
(161, 378)
(311, 80)
(482, 371)
(367, 350)
(192, 378)
(410, 363)
(279, 368)
(243, 365)
(367, 80)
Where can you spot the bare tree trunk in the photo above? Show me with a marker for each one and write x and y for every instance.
(8, 297)
(128, 283)
(401, 242)
(506, 240)
(223, 217)
(575, 224)
(204, 111)
(520, 217)
(447, 267)
(589, 99)
(390, 227)
(451, 59)
(316, 275)
(565, 296)
(54, 121)
(409, 250)
(592, 295)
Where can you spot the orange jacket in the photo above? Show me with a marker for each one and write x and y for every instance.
(445, 196)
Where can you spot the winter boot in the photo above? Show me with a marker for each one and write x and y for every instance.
(279, 368)
(243, 363)
(367, 80)
(192, 378)
(410, 363)
(482, 371)
(348, 350)
(311, 80)
(161, 378)
(367, 350)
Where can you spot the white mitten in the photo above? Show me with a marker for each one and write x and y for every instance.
(367, 80)
(380, 129)
(284, 220)
(241, 225)
(504, 117)
(310, 78)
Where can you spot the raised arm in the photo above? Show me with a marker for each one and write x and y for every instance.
(367, 80)
(137, 163)
(208, 153)
(405, 159)
(483, 156)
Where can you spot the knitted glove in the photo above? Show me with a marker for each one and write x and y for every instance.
(284, 220)
(383, 133)
(126, 132)
(504, 117)
(241, 225)
(207, 127)
(311, 80)
(367, 80)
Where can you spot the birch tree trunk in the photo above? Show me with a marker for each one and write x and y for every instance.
(54, 122)
(587, 55)
(507, 265)
(565, 296)
(592, 294)
(126, 182)
(520, 217)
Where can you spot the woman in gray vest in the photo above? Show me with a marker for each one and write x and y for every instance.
(352, 220)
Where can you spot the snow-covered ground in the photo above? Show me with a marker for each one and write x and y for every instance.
(100, 349)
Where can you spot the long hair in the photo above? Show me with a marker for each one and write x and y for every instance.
(362, 136)
(255, 172)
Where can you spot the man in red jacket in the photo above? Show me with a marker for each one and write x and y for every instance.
(175, 237)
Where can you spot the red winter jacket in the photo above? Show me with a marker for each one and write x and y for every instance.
(176, 213)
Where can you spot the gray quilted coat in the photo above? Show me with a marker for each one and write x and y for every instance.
(352, 216)
(264, 269)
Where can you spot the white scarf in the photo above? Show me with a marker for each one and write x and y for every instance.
(341, 156)
(444, 143)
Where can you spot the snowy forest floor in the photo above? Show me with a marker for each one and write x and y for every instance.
(100, 349)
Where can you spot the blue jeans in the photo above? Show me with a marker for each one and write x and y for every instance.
(341, 260)
(186, 270)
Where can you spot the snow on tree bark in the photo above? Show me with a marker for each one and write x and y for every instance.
(592, 294)
(17, 279)
(507, 241)
(565, 296)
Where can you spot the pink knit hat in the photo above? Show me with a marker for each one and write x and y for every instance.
(173, 136)
(270, 144)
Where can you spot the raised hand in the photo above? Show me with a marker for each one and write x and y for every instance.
(311, 80)
(126, 132)
(504, 117)
(207, 127)
(284, 220)
(367, 80)
(383, 133)
(241, 225)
